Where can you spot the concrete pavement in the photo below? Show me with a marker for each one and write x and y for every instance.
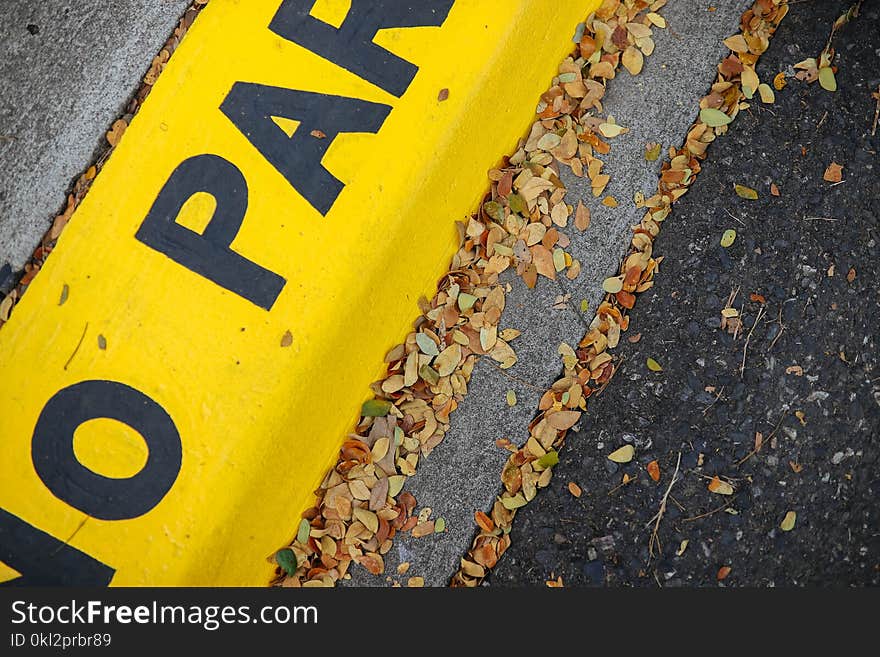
(67, 70)
(462, 474)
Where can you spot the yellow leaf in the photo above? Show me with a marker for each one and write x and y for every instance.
(746, 192)
(737, 43)
(750, 81)
(611, 129)
(654, 366)
(779, 81)
(613, 284)
(610, 202)
(766, 93)
(788, 521)
(368, 518)
(656, 19)
(728, 237)
(623, 455)
(826, 79)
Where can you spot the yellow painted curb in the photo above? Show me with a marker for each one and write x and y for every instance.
(178, 378)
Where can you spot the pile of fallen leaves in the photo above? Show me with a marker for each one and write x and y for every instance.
(84, 182)
(589, 366)
(360, 505)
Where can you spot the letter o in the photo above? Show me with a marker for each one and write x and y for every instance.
(99, 496)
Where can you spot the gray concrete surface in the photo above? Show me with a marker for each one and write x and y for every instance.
(462, 474)
(67, 70)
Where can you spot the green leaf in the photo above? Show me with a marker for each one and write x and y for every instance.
(376, 408)
(64, 293)
(549, 459)
(713, 117)
(515, 502)
(584, 305)
(558, 259)
(654, 366)
(395, 484)
(652, 152)
(465, 302)
(426, 344)
(745, 192)
(302, 532)
(517, 204)
(440, 525)
(287, 560)
(826, 79)
(494, 210)
(429, 374)
(728, 237)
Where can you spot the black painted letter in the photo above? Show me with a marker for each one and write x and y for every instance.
(99, 496)
(351, 46)
(43, 560)
(251, 108)
(209, 254)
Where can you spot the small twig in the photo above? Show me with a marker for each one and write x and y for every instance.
(78, 345)
(727, 478)
(624, 483)
(734, 217)
(839, 182)
(709, 513)
(766, 440)
(781, 330)
(655, 540)
(677, 503)
(742, 369)
(820, 219)
(822, 120)
(717, 397)
(876, 111)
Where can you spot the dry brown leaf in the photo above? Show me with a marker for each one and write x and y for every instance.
(720, 487)
(834, 173)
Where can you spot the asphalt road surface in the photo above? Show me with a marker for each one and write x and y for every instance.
(810, 385)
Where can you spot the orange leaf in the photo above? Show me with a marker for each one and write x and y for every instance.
(574, 489)
(834, 173)
(485, 522)
(723, 572)
(653, 469)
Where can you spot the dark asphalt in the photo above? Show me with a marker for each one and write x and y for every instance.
(795, 250)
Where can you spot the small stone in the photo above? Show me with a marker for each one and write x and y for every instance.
(837, 458)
